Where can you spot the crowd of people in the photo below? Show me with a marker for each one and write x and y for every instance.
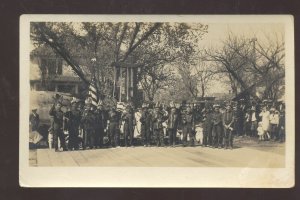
(89, 126)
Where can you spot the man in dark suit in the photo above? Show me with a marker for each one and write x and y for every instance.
(88, 120)
(157, 120)
(145, 125)
(172, 126)
(100, 125)
(217, 127)
(57, 115)
(228, 125)
(188, 126)
(73, 119)
(129, 119)
(114, 127)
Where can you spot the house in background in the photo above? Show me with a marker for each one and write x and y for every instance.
(49, 72)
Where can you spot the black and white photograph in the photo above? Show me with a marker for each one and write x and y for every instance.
(157, 101)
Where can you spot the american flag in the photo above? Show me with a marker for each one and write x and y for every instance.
(92, 93)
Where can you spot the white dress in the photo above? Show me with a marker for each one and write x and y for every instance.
(137, 129)
(265, 120)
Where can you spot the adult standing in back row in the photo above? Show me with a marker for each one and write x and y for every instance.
(57, 115)
(217, 127)
(188, 126)
(265, 115)
(172, 126)
(228, 125)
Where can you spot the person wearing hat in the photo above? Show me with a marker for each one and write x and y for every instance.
(34, 120)
(274, 122)
(188, 126)
(228, 125)
(57, 125)
(253, 119)
(100, 124)
(241, 113)
(129, 124)
(72, 122)
(281, 125)
(217, 127)
(265, 116)
(207, 126)
(172, 125)
(157, 120)
(145, 125)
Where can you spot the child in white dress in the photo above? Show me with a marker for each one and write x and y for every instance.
(260, 131)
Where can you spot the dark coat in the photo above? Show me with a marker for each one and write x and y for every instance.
(129, 119)
(57, 118)
(88, 120)
(34, 121)
(188, 120)
(228, 118)
(173, 121)
(157, 120)
(146, 118)
(101, 119)
(73, 119)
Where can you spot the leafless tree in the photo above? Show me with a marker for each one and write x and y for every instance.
(250, 62)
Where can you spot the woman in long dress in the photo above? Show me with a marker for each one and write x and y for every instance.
(265, 114)
(137, 130)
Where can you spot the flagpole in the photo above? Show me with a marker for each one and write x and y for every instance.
(115, 76)
(120, 97)
(127, 82)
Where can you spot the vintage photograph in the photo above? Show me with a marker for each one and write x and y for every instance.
(163, 93)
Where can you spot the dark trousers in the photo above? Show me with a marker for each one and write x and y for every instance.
(228, 135)
(59, 134)
(114, 134)
(187, 131)
(217, 136)
(159, 137)
(240, 126)
(172, 136)
(209, 137)
(273, 131)
(281, 134)
(247, 128)
(205, 138)
(146, 136)
(89, 138)
(73, 139)
(99, 134)
(128, 133)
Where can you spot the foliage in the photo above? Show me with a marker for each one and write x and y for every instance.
(92, 49)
